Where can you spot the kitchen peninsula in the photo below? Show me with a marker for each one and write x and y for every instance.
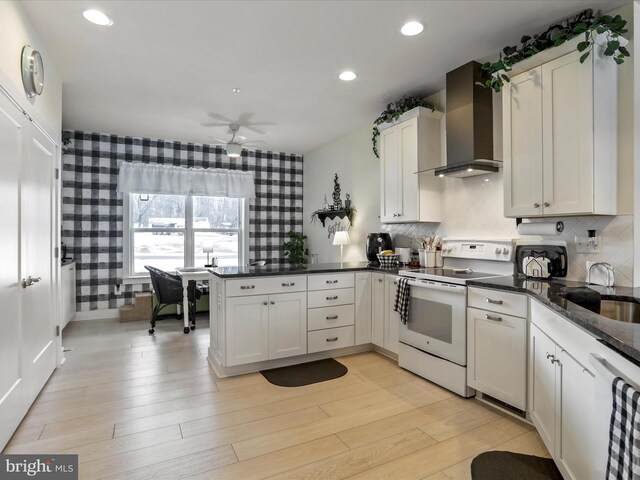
(272, 316)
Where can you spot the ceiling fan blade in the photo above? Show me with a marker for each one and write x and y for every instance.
(254, 129)
(222, 142)
(244, 118)
(208, 124)
(222, 118)
(251, 142)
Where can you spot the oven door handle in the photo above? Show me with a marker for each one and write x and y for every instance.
(443, 287)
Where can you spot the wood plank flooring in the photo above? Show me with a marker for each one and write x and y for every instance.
(134, 406)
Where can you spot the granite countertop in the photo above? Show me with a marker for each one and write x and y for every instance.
(271, 270)
(620, 336)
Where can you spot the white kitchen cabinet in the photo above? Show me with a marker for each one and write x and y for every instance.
(363, 308)
(68, 292)
(247, 322)
(391, 318)
(497, 355)
(543, 386)
(287, 325)
(560, 143)
(406, 147)
(378, 314)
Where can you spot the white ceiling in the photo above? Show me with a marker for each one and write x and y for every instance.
(164, 66)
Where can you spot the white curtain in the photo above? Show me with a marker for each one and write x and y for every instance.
(171, 180)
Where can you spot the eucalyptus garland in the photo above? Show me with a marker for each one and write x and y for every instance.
(585, 23)
(393, 112)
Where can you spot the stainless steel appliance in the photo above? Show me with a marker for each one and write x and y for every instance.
(433, 342)
(376, 243)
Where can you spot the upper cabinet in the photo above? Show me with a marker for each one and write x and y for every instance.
(407, 147)
(560, 136)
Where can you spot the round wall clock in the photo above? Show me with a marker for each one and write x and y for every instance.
(32, 71)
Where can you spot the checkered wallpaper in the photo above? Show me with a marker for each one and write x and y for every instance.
(92, 216)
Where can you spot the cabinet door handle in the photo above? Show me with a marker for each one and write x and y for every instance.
(395, 214)
(399, 214)
(36, 279)
(272, 302)
(291, 284)
(335, 297)
(536, 205)
(555, 360)
(493, 317)
(331, 282)
(265, 303)
(247, 287)
(334, 339)
(380, 280)
(332, 317)
(494, 302)
(550, 357)
(546, 204)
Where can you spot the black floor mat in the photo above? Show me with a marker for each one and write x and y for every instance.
(305, 373)
(513, 466)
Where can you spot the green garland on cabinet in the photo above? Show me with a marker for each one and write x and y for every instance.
(585, 23)
(393, 112)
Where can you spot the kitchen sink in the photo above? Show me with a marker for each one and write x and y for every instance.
(621, 310)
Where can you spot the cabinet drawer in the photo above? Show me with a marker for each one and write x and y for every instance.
(330, 339)
(330, 317)
(497, 301)
(330, 281)
(266, 285)
(327, 298)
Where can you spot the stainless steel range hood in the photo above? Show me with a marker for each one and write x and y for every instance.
(469, 117)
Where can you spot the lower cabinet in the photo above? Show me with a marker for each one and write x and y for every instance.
(68, 290)
(562, 405)
(378, 313)
(266, 327)
(363, 308)
(391, 318)
(497, 355)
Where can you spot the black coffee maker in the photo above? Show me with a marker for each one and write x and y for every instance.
(376, 243)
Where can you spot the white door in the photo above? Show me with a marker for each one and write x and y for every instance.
(391, 319)
(522, 117)
(287, 325)
(13, 399)
(389, 175)
(567, 119)
(497, 355)
(379, 312)
(575, 426)
(247, 329)
(408, 166)
(363, 308)
(38, 312)
(543, 386)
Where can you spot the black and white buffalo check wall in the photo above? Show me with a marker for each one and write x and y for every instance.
(92, 214)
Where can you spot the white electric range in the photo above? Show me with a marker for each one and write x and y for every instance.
(433, 342)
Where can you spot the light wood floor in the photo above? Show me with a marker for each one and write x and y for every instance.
(135, 406)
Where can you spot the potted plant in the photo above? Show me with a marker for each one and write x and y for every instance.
(294, 249)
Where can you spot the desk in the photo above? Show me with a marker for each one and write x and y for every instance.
(188, 274)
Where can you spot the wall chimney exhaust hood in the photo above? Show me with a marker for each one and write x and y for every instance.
(469, 117)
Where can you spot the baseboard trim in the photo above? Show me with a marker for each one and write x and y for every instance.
(107, 314)
(223, 372)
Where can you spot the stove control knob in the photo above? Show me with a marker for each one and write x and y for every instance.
(505, 250)
(497, 250)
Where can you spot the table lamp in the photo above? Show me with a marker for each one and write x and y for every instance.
(207, 247)
(341, 238)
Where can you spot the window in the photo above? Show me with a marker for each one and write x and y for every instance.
(171, 231)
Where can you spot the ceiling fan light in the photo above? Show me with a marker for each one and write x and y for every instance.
(233, 150)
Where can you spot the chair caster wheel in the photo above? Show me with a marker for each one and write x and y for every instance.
(151, 331)
(193, 327)
(186, 330)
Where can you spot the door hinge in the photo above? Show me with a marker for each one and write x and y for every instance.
(57, 330)
(56, 252)
(57, 173)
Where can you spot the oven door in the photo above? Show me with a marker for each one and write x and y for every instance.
(437, 321)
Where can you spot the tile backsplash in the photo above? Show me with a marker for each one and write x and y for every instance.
(473, 208)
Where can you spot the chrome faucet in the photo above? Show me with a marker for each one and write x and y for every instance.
(609, 269)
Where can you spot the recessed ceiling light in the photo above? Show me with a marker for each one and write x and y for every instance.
(236, 90)
(412, 28)
(347, 76)
(97, 17)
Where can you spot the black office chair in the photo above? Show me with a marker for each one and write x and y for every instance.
(168, 290)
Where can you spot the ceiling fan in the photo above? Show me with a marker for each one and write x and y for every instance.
(234, 146)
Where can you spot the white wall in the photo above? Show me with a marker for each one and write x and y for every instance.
(16, 31)
(358, 170)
